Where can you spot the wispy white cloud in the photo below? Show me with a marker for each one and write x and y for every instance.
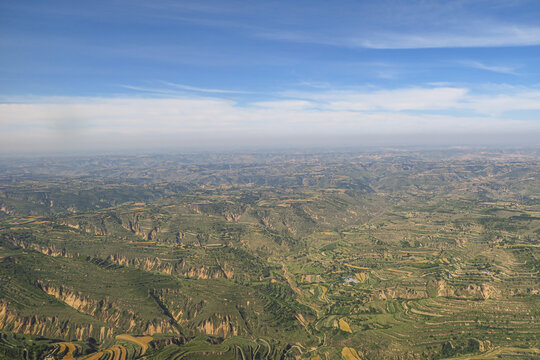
(493, 68)
(414, 24)
(493, 35)
(497, 104)
(205, 90)
(151, 90)
(482, 35)
(180, 89)
(385, 100)
(151, 120)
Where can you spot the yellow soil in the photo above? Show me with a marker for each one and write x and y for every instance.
(324, 289)
(142, 341)
(62, 347)
(444, 261)
(71, 348)
(316, 357)
(356, 267)
(116, 351)
(361, 277)
(350, 354)
(123, 352)
(344, 326)
(301, 320)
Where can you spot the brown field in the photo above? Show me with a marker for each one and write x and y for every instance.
(357, 267)
(350, 354)
(344, 326)
(142, 341)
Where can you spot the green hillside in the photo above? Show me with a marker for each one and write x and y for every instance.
(375, 255)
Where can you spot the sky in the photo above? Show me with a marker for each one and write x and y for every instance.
(122, 75)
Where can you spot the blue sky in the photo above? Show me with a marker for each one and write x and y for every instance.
(116, 74)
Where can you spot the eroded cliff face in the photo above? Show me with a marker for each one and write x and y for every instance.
(400, 293)
(218, 325)
(108, 312)
(232, 217)
(101, 226)
(103, 310)
(205, 272)
(180, 268)
(482, 291)
(95, 229)
(135, 225)
(152, 234)
(194, 314)
(148, 264)
(182, 307)
(49, 326)
(159, 327)
(50, 250)
(5, 210)
(441, 288)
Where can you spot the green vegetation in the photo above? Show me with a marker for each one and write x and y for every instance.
(312, 256)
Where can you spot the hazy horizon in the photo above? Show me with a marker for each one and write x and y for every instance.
(291, 144)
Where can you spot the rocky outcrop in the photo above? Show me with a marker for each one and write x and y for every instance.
(5, 210)
(482, 291)
(218, 325)
(152, 233)
(99, 230)
(134, 226)
(232, 217)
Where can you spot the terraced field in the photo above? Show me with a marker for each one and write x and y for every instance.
(397, 255)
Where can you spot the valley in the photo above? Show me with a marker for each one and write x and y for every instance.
(394, 254)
